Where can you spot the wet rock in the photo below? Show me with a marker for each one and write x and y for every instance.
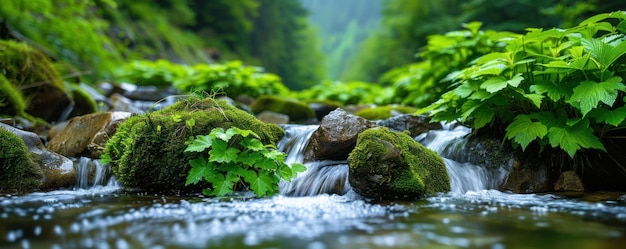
(273, 117)
(119, 103)
(323, 108)
(296, 110)
(58, 171)
(86, 135)
(528, 177)
(569, 181)
(391, 165)
(18, 170)
(415, 124)
(336, 136)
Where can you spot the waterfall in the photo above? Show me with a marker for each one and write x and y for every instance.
(91, 173)
(450, 142)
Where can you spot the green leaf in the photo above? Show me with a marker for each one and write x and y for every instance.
(200, 168)
(297, 168)
(494, 84)
(177, 118)
(573, 138)
(262, 185)
(223, 185)
(267, 163)
(589, 94)
(274, 155)
(554, 91)
(252, 144)
(221, 153)
(604, 53)
(249, 158)
(482, 116)
(226, 136)
(534, 98)
(523, 130)
(245, 133)
(199, 144)
(612, 117)
(284, 172)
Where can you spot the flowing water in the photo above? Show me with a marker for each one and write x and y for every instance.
(316, 211)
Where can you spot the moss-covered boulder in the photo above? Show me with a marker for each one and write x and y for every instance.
(18, 168)
(384, 112)
(296, 110)
(29, 84)
(391, 165)
(147, 151)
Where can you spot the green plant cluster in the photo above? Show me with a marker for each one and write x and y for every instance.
(235, 156)
(232, 78)
(558, 87)
(347, 93)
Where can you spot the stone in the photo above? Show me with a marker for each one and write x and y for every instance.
(58, 171)
(387, 165)
(336, 136)
(297, 111)
(273, 117)
(415, 124)
(569, 181)
(384, 112)
(528, 177)
(86, 135)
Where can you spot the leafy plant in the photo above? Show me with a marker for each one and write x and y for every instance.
(238, 156)
(347, 93)
(557, 87)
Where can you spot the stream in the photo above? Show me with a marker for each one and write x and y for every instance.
(318, 210)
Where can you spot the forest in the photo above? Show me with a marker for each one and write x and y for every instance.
(541, 75)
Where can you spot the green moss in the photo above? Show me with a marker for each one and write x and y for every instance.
(296, 110)
(148, 150)
(30, 71)
(384, 112)
(18, 169)
(386, 164)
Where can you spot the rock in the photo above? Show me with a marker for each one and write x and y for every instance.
(415, 124)
(58, 171)
(336, 136)
(119, 103)
(24, 66)
(323, 108)
(18, 170)
(569, 181)
(384, 112)
(296, 110)
(528, 177)
(391, 165)
(148, 150)
(86, 135)
(273, 117)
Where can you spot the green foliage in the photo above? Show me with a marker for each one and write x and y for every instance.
(296, 110)
(237, 155)
(562, 87)
(232, 79)
(347, 93)
(384, 112)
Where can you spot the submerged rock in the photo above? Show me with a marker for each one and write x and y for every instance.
(86, 135)
(147, 151)
(391, 165)
(336, 136)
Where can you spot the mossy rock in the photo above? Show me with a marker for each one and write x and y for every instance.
(296, 110)
(391, 165)
(18, 168)
(30, 85)
(148, 150)
(384, 112)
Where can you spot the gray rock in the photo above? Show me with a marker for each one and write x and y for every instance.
(273, 117)
(415, 124)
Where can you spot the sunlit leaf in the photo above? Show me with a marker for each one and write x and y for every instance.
(573, 138)
(221, 153)
(262, 185)
(612, 117)
(200, 168)
(554, 91)
(252, 144)
(589, 94)
(199, 144)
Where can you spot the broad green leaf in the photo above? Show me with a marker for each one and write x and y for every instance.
(494, 84)
(612, 117)
(284, 172)
(554, 91)
(523, 130)
(464, 90)
(244, 133)
(221, 153)
(589, 94)
(226, 136)
(297, 168)
(249, 158)
(604, 53)
(482, 116)
(223, 185)
(534, 98)
(262, 185)
(573, 138)
(267, 163)
(199, 144)
(200, 168)
(468, 108)
(252, 144)
(274, 155)
(177, 118)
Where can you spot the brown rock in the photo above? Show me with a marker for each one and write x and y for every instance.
(86, 135)
(569, 181)
(336, 136)
(416, 124)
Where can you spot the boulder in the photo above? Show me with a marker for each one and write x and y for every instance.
(569, 181)
(57, 171)
(296, 110)
(86, 135)
(148, 151)
(528, 177)
(336, 136)
(415, 124)
(391, 165)
(18, 170)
